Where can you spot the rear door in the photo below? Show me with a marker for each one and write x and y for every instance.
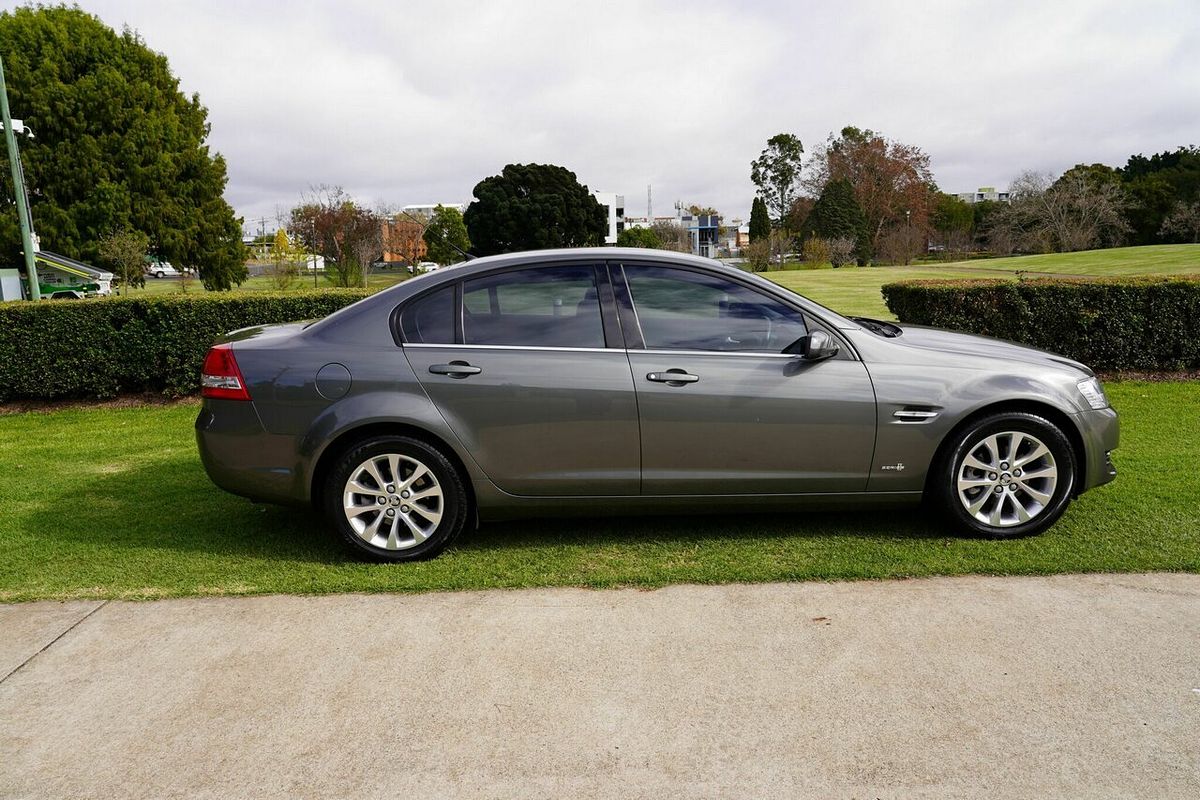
(722, 410)
(527, 366)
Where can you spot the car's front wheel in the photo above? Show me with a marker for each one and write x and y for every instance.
(1006, 475)
(393, 498)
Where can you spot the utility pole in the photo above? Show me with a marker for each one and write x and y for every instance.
(14, 161)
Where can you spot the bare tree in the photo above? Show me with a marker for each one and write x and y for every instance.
(125, 252)
(1075, 212)
(330, 223)
(841, 251)
(672, 236)
(1183, 221)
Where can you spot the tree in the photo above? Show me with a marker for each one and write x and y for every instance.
(672, 236)
(797, 216)
(125, 253)
(702, 211)
(892, 181)
(776, 173)
(639, 237)
(533, 207)
(284, 261)
(760, 221)
(1081, 210)
(1183, 222)
(350, 237)
(118, 146)
(446, 236)
(836, 214)
(1154, 185)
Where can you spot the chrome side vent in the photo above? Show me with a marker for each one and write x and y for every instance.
(916, 413)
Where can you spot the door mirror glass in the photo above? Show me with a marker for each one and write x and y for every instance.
(816, 346)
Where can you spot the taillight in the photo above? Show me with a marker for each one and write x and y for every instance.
(220, 376)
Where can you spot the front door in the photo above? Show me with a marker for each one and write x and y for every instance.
(528, 382)
(722, 410)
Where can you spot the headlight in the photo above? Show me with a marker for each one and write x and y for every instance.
(1093, 392)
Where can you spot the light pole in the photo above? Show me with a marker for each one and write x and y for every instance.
(907, 236)
(14, 161)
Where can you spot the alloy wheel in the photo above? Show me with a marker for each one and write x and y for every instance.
(393, 501)
(1007, 479)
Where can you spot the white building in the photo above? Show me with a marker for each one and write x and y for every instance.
(983, 193)
(614, 206)
(426, 211)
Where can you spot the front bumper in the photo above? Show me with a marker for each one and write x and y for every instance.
(1101, 433)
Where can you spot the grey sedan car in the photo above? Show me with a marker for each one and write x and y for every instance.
(622, 380)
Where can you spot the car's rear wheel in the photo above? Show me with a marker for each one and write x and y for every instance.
(394, 498)
(1007, 475)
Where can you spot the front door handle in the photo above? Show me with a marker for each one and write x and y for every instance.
(455, 369)
(673, 376)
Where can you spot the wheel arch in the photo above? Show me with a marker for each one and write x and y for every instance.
(347, 439)
(1051, 413)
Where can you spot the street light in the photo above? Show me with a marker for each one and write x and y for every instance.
(18, 175)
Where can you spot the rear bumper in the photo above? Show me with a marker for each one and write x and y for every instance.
(1101, 432)
(241, 457)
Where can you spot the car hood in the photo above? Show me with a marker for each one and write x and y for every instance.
(943, 341)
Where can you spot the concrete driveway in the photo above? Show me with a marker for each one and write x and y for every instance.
(1069, 686)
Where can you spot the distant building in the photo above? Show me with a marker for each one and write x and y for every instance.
(425, 212)
(614, 206)
(403, 239)
(984, 193)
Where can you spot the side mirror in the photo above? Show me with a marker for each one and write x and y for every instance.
(816, 346)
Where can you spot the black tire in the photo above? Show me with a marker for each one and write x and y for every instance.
(158, 274)
(970, 441)
(454, 505)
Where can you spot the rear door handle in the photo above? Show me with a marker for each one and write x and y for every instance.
(455, 369)
(672, 376)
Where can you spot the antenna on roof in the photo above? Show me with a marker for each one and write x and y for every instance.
(425, 229)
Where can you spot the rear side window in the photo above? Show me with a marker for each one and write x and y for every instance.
(430, 320)
(536, 307)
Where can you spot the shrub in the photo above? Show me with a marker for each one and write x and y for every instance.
(758, 255)
(104, 347)
(816, 251)
(841, 251)
(1145, 324)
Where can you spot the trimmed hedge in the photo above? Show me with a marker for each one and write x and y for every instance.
(104, 347)
(1146, 323)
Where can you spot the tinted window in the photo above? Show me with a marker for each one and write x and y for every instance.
(543, 307)
(430, 320)
(683, 310)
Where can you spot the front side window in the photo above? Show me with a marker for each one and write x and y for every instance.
(684, 310)
(535, 307)
(430, 319)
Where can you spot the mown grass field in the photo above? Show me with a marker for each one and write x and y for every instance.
(855, 290)
(113, 503)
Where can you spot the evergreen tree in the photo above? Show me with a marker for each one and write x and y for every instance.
(118, 146)
(760, 221)
(533, 207)
(446, 236)
(837, 215)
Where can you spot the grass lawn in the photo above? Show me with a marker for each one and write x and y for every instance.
(855, 290)
(113, 503)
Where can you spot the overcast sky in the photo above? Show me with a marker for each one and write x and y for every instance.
(414, 102)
